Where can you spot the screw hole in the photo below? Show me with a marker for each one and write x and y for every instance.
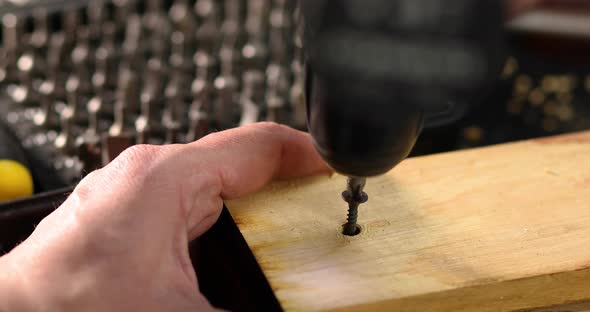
(357, 230)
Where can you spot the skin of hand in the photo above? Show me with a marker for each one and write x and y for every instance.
(120, 240)
(517, 7)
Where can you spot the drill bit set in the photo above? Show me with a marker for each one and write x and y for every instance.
(82, 80)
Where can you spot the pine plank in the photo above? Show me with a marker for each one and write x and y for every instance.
(505, 227)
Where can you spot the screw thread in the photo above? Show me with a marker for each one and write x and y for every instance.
(354, 196)
(351, 220)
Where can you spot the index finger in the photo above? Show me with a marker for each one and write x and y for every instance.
(247, 158)
(192, 178)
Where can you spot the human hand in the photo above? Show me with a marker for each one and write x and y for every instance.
(120, 240)
(518, 7)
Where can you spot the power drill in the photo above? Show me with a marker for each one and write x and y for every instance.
(379, 71)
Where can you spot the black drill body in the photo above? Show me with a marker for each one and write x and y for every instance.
(377, 70)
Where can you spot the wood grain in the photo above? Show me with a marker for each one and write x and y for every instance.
(499, 228)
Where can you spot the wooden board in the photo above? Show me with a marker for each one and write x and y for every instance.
(498, 228)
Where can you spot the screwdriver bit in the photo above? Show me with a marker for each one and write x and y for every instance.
(275, 106)
(172, 118)
(12, 31)
(106, 65)
(122, 10)
(47, 116)
(208, 32)
(199, 125)
(199, 110)
(26, 66)
(280, 32)
(227, 86)
(154, 6)
(3, 66)
(71, 23)
(277, 87)
(296, 97)
(88, 144)
(159, 47)
(254, 54)
(132, 48)
(56, 51)
(129, 89)
(179, 60)
(257, 18)
(97, 15)
(231, 29)
(226, 105)
(230, 58)
(80, 63)
(74, 99)
(156, 20)
(201, 90)
(94, 108)
(65, 139)
(99, 83)
(119, 127)
(205, 64)
(146, 124)
(183, 20)
(252, 96)
(127, 95)
(156, 74)
(40, 36)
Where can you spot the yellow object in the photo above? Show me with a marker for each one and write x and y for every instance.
(15, 180)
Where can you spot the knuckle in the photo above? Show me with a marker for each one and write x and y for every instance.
(136, 161)
(272, 126)
(87, 185)
(140, 152)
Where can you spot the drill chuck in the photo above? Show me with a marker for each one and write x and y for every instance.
(359, 129)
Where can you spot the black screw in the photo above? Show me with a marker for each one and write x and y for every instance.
(354, 196)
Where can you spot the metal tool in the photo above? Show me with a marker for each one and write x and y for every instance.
(74, 100)
(126, 104)
(46, 116)
(94, 108)
(252, 96)
(65, 141)
(71, 23)
(12, 34)
(80, 62)
(39, 38)
(200, 110)
(184, 20)
(277, 88)
(232, 31)
(146, 123)
(26, 68)
(56, 54)
(365, 112)
(97, 14)
(354, 196)
(208, 33)
(105, 75)
(132, 48)
(172, 120)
